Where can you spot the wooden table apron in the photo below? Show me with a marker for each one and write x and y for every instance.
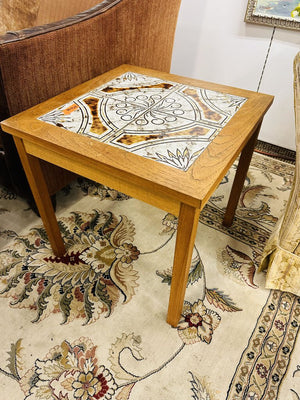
(183, 194)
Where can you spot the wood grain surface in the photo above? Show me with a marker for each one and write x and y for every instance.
(182, 193)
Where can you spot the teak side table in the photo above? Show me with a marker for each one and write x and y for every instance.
(161, 138)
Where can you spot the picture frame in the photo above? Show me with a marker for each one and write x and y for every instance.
(276, 13)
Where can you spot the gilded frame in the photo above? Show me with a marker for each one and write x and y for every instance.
(273, 17)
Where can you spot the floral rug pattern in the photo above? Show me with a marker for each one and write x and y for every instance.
(87, 281)
(72, 371)
(91, 324)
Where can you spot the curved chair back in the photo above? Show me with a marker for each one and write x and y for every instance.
(41, 62)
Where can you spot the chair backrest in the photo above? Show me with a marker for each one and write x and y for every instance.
(55, 10)
(41, 62)
(38, 63)
(18, 14)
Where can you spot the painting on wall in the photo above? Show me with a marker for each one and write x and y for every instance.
(276, 13)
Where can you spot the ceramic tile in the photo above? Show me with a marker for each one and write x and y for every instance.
(168, 122)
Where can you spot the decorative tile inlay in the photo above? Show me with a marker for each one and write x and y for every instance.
(166, 121)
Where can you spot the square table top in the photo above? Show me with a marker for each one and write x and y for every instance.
(166, 121)
(175, 134)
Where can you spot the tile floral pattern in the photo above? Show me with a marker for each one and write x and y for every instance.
(165, 121)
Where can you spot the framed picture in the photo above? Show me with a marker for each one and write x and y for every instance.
(279, 13)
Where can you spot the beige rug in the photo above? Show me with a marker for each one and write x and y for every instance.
(91, 325)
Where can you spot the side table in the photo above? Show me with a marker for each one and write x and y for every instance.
(161, 138)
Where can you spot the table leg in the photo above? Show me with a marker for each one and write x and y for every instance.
(186, 232)
(42, 198)
(240, 176)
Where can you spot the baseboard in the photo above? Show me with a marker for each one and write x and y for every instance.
(275, 151)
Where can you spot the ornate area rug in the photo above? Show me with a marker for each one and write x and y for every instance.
(91, 325)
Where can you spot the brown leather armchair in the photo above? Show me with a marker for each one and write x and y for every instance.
(43, 61)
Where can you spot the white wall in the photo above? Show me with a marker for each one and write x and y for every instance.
(214, 43)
